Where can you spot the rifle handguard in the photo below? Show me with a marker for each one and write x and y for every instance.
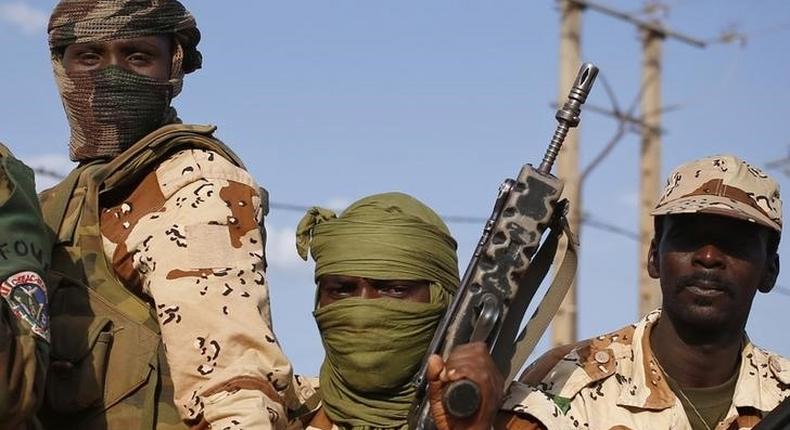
(497, 275)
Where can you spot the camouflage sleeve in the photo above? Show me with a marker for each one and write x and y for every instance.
(199, 253)
(23, 360)
(526, 407)
(512, 421)
(24, 326)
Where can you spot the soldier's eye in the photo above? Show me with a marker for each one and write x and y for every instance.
(338, 290)
(396, 290)
(89, 57)
(139, 59)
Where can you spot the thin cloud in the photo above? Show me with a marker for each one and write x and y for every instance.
(281, 250)
(24, 17)
(338, 203)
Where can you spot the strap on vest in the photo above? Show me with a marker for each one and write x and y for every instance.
(158, 144)
(122, 169)
(56, 200)
(99, 176)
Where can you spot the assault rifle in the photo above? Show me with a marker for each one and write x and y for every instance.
(506, 271)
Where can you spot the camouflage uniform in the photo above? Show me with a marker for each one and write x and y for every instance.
(187, 238)
(24, 317)
(173, 251)
(160, 307)
(614, 381)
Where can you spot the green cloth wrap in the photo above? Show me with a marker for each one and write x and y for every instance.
(384, 236)
(373, 349)
(375, 346)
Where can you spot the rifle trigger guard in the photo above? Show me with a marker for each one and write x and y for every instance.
(486, 319)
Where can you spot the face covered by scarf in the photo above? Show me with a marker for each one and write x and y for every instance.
(112, 108)
(374, 346)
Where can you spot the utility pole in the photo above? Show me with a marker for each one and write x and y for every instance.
(564, 329)
(650, 163)
(653, 35)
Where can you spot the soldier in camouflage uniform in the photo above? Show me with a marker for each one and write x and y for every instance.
(386, 270)
(690, 364)
(24, 317)
(160, 309)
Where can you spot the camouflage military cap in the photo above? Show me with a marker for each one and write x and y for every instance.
(80, 21)
(723, 185)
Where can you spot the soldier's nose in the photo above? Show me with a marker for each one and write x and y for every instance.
(368, 292)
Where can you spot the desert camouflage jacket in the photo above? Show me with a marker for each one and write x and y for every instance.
(164, 320)
(613, 382)
(188, 237)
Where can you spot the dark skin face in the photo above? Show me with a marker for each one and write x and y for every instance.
(470, 361)
(710, 268)
(332, 288)
(149, 56)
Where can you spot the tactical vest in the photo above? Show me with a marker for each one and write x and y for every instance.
(108, 368)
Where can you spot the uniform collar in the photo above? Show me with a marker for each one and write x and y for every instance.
(648, 388)
(762, 378)
(763, 381)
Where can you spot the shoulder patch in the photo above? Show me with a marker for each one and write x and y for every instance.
(26, 295)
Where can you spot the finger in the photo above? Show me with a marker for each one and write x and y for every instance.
(435, 367)
(466, 371)
(450, 374)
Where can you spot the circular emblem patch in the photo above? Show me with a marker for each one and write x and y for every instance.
(26, 295)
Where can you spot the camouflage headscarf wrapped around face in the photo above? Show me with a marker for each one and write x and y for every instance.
(112, 108)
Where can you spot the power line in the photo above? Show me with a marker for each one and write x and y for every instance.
(451, 219)
(783, 291)
(49, 173)
(587, 219)
(650, 26)
(782, 164)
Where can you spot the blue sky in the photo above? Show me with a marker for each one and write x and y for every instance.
(329, 101)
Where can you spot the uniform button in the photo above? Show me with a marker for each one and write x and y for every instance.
(602, 357)
(774, 363)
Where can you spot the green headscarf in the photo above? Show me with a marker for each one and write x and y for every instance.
(374, 346)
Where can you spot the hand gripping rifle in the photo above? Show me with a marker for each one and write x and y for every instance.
(506, 271)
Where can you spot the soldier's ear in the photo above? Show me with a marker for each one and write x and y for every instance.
(653, 260)
(770, 275)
